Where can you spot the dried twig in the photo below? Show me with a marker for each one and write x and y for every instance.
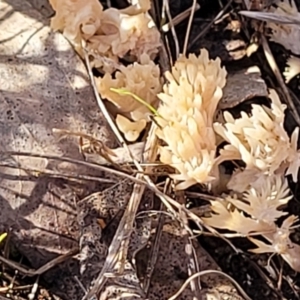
(271, 17)
(179, 18)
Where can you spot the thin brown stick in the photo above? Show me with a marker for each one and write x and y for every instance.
(120, 155)
(15, 288)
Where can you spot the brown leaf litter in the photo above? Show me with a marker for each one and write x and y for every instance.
(45, 86)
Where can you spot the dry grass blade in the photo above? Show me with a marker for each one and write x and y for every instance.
(273, 65)
(166, 10)
(188, 31)
(179, 18)
(75, 161)
(271, 17)
(193, 266)
(247, 4)
(44, 268)
(155, 248)
(242, 292)
(53, 174)
(192, 261)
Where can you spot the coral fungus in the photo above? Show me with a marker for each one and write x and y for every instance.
(188, 106)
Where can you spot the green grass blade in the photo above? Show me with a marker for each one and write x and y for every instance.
(124, 92)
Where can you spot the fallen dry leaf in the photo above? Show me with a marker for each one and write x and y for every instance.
(43, 85)
(241, 86)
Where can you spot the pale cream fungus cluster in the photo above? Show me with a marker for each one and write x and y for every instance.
(109, 34)
(257, 191)
(186, 108)
(189, 102)
(258, 139)
(255, 212)
(142, 79)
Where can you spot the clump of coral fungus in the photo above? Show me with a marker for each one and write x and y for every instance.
(120, 33)
(77, 19)
(140, 79)
(108, 34)
(260, 189)
(186, 115)
(260, 140)
(255, 212)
